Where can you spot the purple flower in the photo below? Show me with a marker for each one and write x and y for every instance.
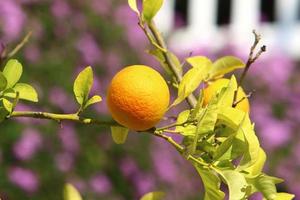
(13, 19)
(144, 183)
(64, 161)
(68, 138)
(101, 7)
(28, 144)
(32, 53)
(100, 184)
(24, 178)
(89, 49)
(60, 9)
(61, 99)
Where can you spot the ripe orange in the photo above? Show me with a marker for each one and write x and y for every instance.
(138, 97)
(216, 87)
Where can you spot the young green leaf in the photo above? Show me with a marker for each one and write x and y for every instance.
(266, 185)
(154, 196)
(12, 71)
(7, 105)
(186, 130)
(119, 134)
(283, 196)
(82, 85)
(3, 82)
(227, 97)
(211, 184)
(26, 92)
(133, 5)
(150, 8)
(71, 193)
(236, 183)
(190, 81)
(200, 61)
(93, 100)
(225, 65)
(257, 167)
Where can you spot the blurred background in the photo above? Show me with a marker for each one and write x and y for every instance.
(37, 157)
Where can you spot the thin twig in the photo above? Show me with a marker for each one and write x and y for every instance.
(251, 59)
(20, 45)
(243, 98)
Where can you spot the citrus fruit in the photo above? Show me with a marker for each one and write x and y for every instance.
(216, 87)
(138, 97)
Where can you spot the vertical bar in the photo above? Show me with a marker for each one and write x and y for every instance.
(165, 17)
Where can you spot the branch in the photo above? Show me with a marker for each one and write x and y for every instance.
(250, 61)
(61, 117)
(191, 99)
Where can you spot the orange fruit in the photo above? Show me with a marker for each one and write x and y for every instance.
(216, 87)
(138, 97)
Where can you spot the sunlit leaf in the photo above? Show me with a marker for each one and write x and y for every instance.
(190, 81)
(133, 5)
(266, 185)
(188, 129)
(82, 85)
(283, 196)
(3, 82)
(236, 183)
(119, 134)
(225, 65)
(157, 195)
(7, 105)
(93, 100)
(71, 193)
(26, 92)
(257, 167)
(12, 71)
(200, 61)
(150, 8)
(211, 184)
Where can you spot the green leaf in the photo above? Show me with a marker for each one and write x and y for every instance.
(176, 62)
(211, 184)
(236, 183)
(188, 129)
(71, 193)
(26, 92)
(266, 185)
(283, 196)
(133, 5)
(195, 112)
(225, 65)
(119, 134)
(7, 105)
(12, 71)
(206, 121)
(232, 118)
(82, 85)
(190, 81)
(158, 55)
(200, 61)
(3, 82)
(154, 196)
(150, 8)
(257, 167)
(93, 100)
(228, 95)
